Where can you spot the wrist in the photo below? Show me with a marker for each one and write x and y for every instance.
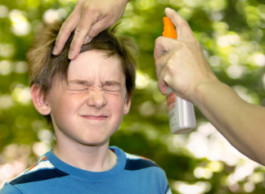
(204, 89)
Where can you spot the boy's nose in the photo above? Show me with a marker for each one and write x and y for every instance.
(96, 99)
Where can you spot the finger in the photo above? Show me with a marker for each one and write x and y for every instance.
(165, 81)
(161, 84)
(162, 71)
(163, 45)
(183, 28)
(161, 61)
(98, 27)
(67, 27)
(81, 31)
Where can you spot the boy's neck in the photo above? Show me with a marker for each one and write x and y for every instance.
(90, 158)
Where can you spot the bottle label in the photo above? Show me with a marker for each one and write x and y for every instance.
(171, 98)
(172, 110)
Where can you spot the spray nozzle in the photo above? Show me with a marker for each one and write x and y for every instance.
(169, 28)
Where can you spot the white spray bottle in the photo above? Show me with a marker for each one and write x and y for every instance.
(181, 112)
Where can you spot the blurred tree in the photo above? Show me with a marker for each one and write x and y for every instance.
(232, 35)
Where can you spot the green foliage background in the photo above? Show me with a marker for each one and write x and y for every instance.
(231, 33)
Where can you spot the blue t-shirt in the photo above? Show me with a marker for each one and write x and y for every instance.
(131, 174)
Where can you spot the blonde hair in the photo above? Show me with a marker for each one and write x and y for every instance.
(44, 66)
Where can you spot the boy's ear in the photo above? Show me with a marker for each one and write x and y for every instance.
(39, 100)
(127, 105)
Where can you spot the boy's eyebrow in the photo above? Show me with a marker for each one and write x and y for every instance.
(80, 82)
(108, 83)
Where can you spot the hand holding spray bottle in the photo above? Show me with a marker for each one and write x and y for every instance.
(181, 112)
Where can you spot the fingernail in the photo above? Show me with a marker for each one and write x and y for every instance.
(55, 50)
(71, 54)
(87, 40)
(169, 9)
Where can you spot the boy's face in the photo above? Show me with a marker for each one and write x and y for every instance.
(90, 108)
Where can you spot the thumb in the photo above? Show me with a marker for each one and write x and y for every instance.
(183, 28)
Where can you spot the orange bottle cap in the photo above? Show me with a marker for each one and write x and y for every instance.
(169, 28)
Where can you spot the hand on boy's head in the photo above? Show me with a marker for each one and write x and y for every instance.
(180, 64)
(88, 19)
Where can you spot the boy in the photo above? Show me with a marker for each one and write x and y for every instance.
(85, 99)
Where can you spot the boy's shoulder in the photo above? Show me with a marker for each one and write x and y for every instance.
(30, 175)
(135, 162)
(35, 173)
(136, 165)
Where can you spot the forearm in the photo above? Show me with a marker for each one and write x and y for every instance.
(241, 123)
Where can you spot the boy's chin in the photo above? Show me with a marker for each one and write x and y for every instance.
(94, 143)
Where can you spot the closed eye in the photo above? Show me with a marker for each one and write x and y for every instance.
(85, 89)
(112, 86)
(78, 89)
(79, 85)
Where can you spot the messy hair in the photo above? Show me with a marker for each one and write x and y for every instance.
(44, 66)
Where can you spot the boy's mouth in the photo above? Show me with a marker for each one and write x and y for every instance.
(95, 117)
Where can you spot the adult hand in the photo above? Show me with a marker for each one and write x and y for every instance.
(180, 64)
(185, 69)
(88, 18)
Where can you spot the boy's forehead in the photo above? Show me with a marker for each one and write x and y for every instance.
(93, 63)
